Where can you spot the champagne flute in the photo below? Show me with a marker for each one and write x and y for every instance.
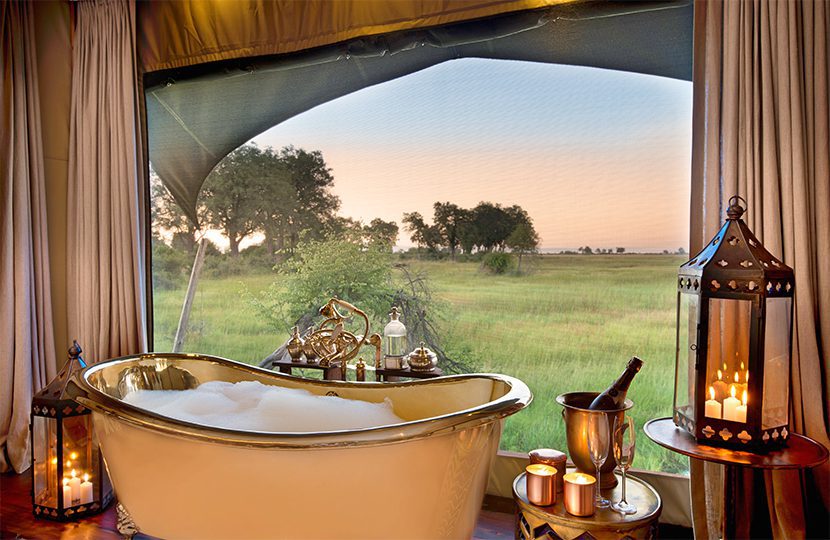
(598, 438)
(624, 437)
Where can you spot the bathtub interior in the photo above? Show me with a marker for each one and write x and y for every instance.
(412, 400)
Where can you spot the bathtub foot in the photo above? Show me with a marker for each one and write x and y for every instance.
(126, 526)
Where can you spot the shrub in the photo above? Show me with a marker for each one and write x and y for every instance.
(497, 262)
(171, 267)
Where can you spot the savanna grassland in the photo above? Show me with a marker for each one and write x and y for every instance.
(569, 324)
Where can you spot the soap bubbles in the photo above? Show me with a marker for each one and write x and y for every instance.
(253, 406)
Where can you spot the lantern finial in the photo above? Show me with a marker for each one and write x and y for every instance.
(735, 210)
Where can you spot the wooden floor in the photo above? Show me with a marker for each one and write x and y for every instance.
(17, 521)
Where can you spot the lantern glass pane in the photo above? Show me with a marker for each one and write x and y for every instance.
(775, 410)
(78, 456)
(45, 474)
(727, 352)
(686, 354)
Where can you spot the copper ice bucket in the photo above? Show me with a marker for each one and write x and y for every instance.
(576, 413)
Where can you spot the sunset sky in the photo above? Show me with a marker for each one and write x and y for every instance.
(596, 157)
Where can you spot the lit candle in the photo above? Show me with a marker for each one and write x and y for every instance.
(740, 410)
(739, 388)
(75, 485)
(86, 490)
(713, 406)
(720, 387)
(579, 494)
(730, 406)
(67, 493)
(540, 485)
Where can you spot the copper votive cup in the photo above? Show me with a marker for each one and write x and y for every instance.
(579, 494)
(554, 458)
(540, 487)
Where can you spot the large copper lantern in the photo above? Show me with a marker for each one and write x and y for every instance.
(69, 480)
(734, 329)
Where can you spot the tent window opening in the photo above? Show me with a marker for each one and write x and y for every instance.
(519, 184)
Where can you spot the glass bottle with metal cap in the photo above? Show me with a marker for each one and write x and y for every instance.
(394, 340)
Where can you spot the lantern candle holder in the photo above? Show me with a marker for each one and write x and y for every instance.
(69, 480)
(734, 330)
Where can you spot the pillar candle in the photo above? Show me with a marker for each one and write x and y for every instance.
(740, 410)
(86, 490)
(75, 486)
(730, 406)
(67, 493)
(713, 407)
(721, 390)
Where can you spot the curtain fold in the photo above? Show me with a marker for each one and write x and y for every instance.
(106, 225)
(27, 357)
(761, 131)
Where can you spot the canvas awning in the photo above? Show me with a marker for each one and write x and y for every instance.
(198, 114)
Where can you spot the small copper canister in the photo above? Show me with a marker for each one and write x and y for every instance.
(554, 458)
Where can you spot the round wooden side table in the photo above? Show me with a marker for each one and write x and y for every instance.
(555, 522)
(800, 453)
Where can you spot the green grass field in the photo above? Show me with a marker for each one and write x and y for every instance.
(570, 324)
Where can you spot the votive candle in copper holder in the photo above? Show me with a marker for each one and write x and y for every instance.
(540, 488)
(579, 494)
(555, 459)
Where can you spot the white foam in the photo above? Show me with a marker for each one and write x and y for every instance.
(251, 405)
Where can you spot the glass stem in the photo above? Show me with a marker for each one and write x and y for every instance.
(599, 495)
(623, 487)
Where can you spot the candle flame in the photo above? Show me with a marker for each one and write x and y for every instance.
(73, 455)
(736, 376)
(54, 461)
(747, 376)
(744, 398)
(86, 475)
(720, 375)
(73, 473)
(742, 365)
(712, 392)
(68, 463)
(732, 391)
(65, 481)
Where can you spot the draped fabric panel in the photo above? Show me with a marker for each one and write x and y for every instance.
(199, 114)
(27, 358)
(187, 32)
(761, 131)
(105, 229)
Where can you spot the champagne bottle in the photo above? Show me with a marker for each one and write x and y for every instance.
(613, 397)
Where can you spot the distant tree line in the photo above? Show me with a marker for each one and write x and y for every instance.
(487, 227)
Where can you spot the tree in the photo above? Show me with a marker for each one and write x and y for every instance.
(492, 225)
(168, 219)
(421, 233)
(381, 233)
(449, 219)
(233, 194)
(523, 239)
(620, 250)
(315, 213)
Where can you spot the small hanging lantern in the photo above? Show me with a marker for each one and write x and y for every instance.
(734, 331)
(69, 480)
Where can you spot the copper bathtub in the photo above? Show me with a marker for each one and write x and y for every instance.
(424, 478)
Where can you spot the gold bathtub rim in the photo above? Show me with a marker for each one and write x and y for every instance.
(81, 390)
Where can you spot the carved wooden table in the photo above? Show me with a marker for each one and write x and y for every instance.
(800, 453)
(330, 373)
(555, 522)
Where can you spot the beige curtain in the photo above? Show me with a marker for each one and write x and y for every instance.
(177, 33)
(106, 228)
(27, 358)
(761, 131)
